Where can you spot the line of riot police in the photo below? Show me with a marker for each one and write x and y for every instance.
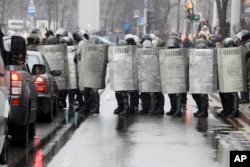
(147, 70)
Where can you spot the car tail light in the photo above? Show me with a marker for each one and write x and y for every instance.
(15, 101)
(16, 83)
(41, 84)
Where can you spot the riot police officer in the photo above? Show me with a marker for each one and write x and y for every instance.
(243, 39)
(120, 95)
(145, 96)
(128, 101)
(133, 95)
(33, 41)
(201, 100)
(157, 108)
(78, 36)
(174, 41)
(230, 101)
(60, 33)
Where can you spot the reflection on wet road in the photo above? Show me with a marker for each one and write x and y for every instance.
(139, 141)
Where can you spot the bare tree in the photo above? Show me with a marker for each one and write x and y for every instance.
(222, 12)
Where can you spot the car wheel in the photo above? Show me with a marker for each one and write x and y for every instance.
(32, 130)
(55, 106)
(4, 152)
(21, 137)
(49, 116)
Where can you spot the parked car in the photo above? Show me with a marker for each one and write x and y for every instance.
(4, 112)
(47, 88)
(12, 53)
(23, 102)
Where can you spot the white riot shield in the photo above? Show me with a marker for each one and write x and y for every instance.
(72, 67)
(232, 69)
(56, 56)
(123, 68)
(202, 71)
(148, 66)
(174, 70)
(93, 66)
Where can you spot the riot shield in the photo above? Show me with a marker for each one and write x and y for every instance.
(174, 70)
(56, 56)
(148, 66)
(72, 67)
(202, 71)
(93, 66)
(123, 68)
(232, 69)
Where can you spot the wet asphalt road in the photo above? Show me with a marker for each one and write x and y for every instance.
(108, 140)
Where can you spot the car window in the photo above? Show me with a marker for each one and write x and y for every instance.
(32, 60)
(46, 64)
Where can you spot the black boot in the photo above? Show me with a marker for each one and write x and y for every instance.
(172, 99)
(226, 102)
(235, 113)
(196, 98)
(159, 104)
(184, 101)
(145, 103)
(178, 106)
(119, 103)
(244, 97)
(134, 102)
(95, 102)
(204, 106)
(152, 104)
(125, 104)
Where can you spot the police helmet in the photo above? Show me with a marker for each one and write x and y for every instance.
(242, 36)
(122, 43)
(228, 42)
(36, 31)
(130, 39)
(52, 40)
(174, 42)
(61, 32)
(65, 40)
(147, 44)
(33, 39)
(145, 37)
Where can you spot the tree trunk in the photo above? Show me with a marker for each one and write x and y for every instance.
(222, 12)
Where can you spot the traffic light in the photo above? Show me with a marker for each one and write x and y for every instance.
(150, 20)
(196, 17)
(150, 17)
(190, 9)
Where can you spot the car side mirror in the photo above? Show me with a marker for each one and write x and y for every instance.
(38, 69)
(56, 73)
(18, 50)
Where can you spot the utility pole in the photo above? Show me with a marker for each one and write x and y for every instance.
(235, 15)
(145, 16)
(31, 12)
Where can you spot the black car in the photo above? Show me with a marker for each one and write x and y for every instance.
(47, 100)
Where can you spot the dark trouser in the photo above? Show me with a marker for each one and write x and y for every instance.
(91, 99)
(244, 97)
(75, 94)
(133, 101)
(145, 99)
(226, 101)
(175, 102)
(62, 98)
(202, 104)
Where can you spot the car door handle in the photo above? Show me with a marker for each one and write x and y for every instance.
(1, 74)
